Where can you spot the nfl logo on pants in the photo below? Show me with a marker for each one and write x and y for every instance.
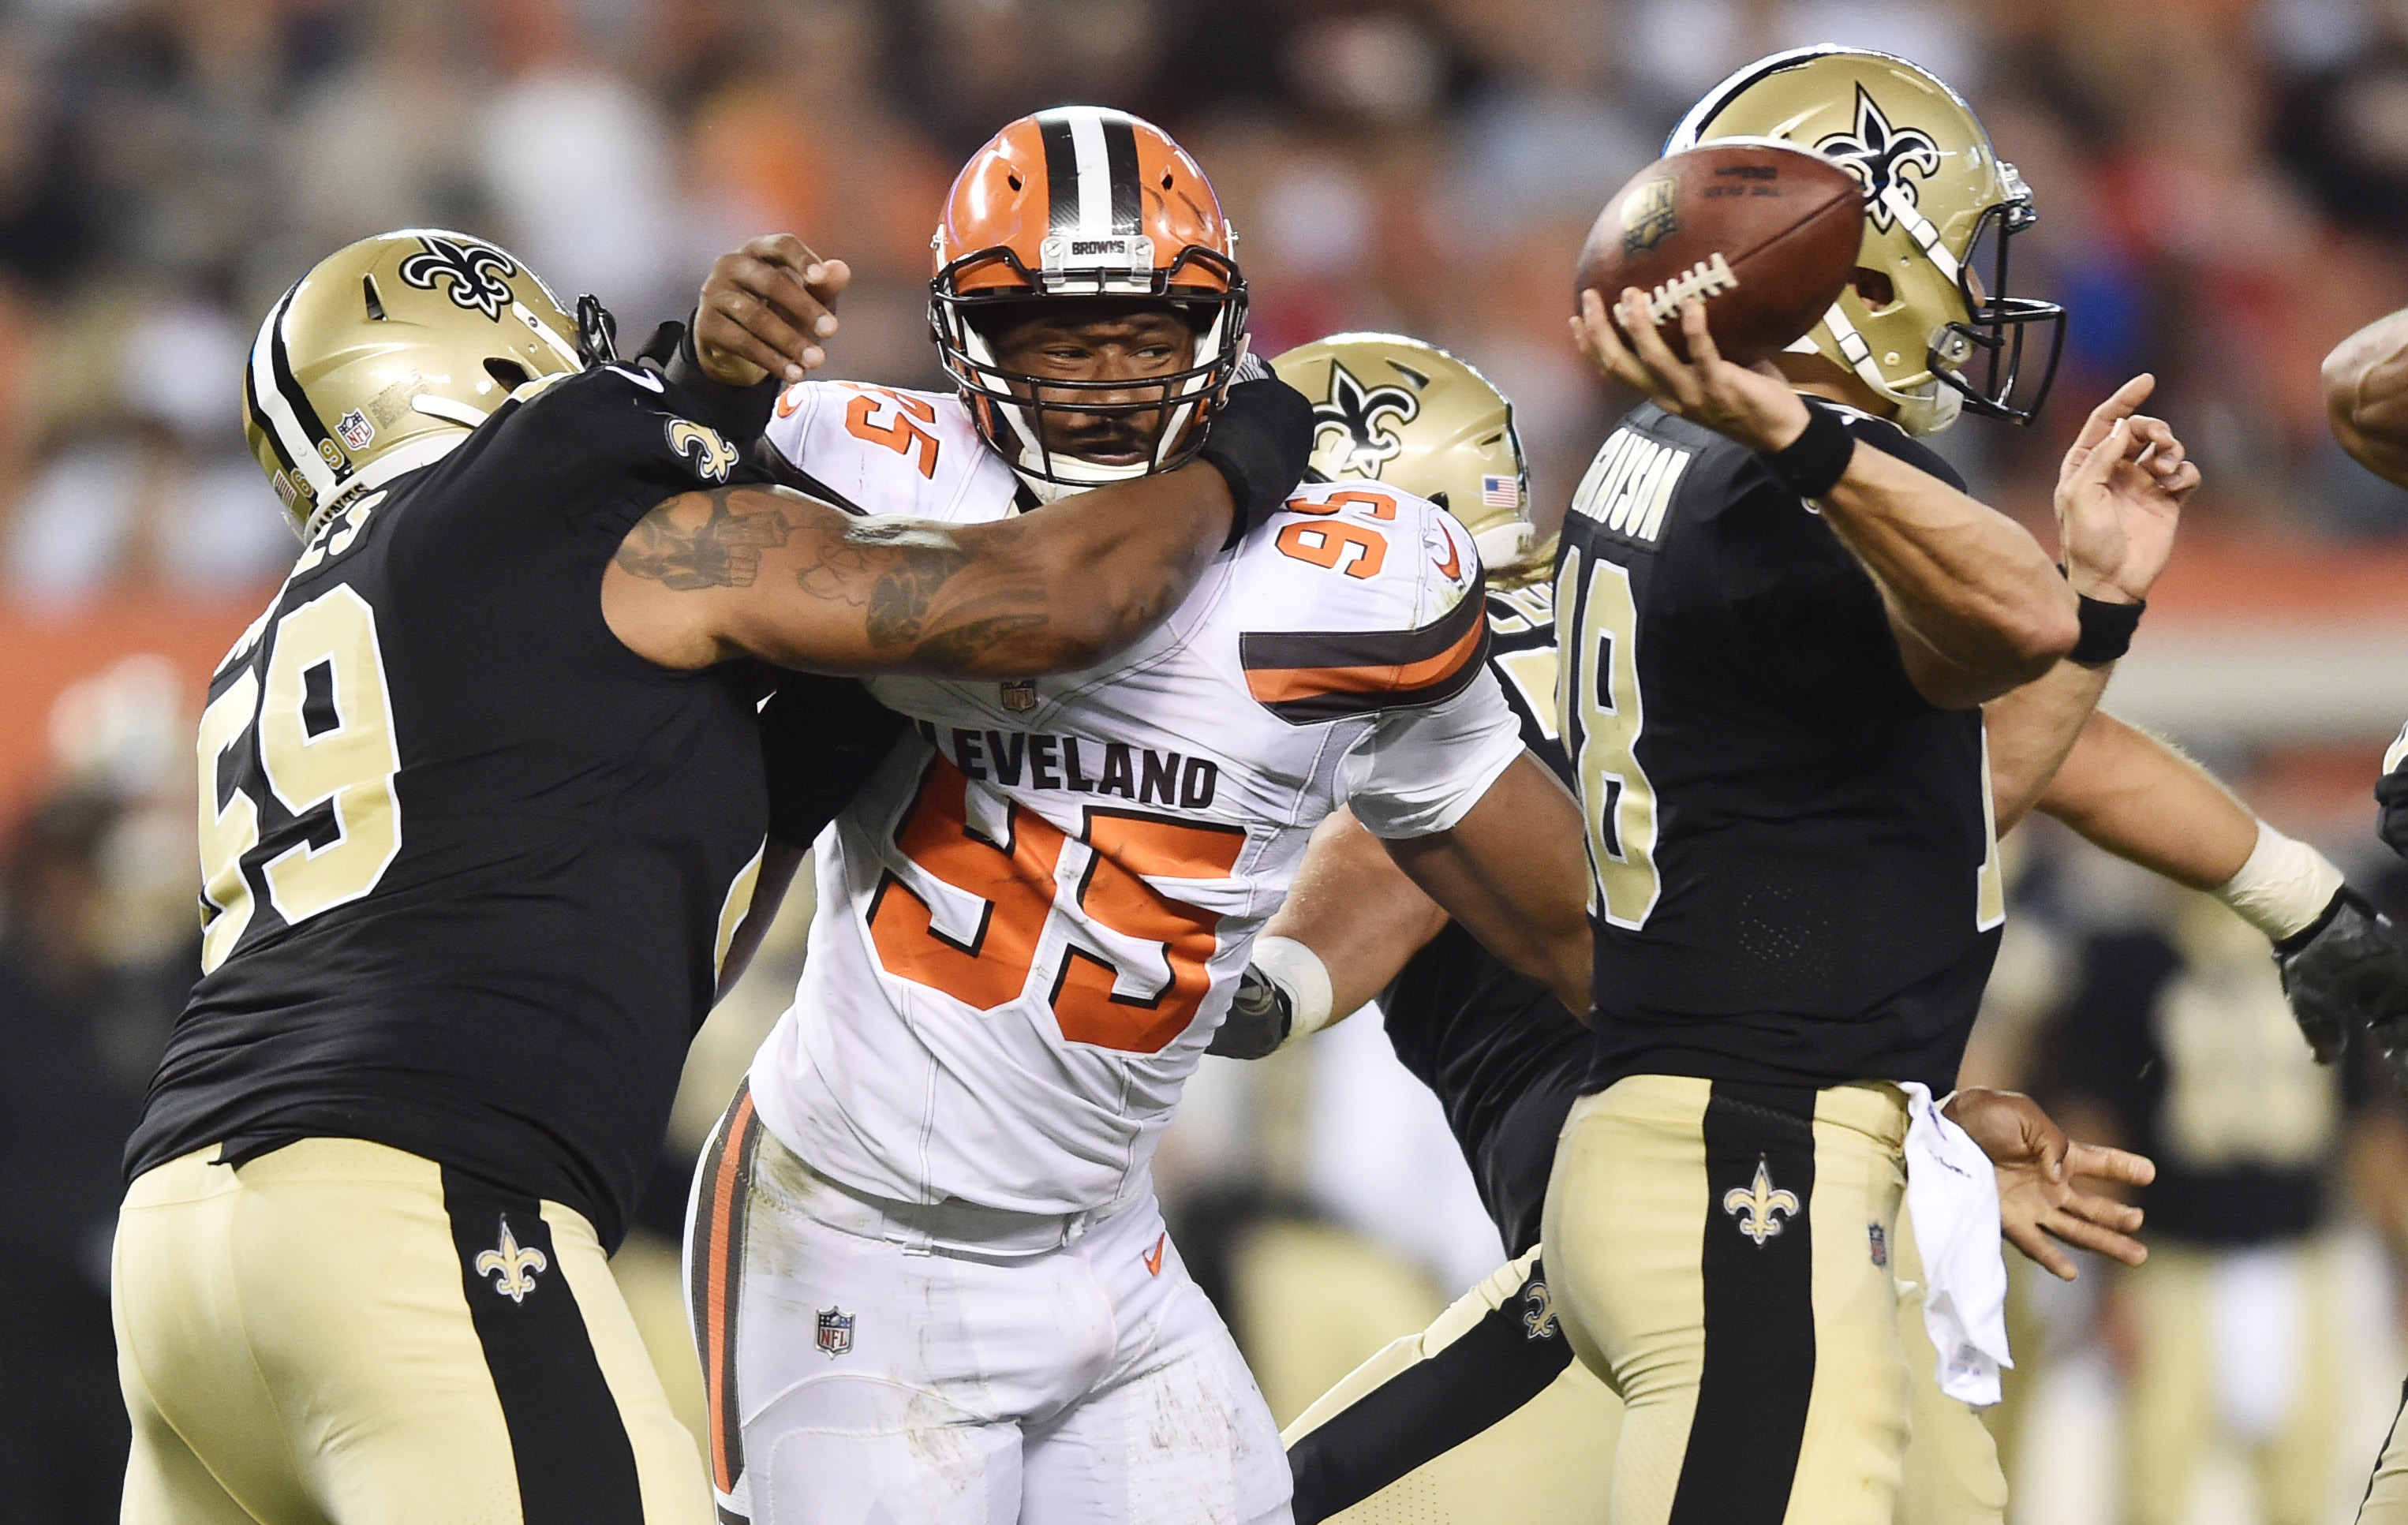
(836, 1330)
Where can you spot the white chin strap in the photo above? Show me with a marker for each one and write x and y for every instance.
(1082, 475)
(1925, 409)
(1502, 544)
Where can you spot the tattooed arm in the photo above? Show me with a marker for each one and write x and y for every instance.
(707, 576)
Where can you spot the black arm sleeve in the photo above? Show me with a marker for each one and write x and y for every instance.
(820, 737)
(739, 413)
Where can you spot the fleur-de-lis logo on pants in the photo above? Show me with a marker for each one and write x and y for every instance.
(479, 274)
(1539, 1316)
(513, 1268)
(1879, 156)
(1757, 1206)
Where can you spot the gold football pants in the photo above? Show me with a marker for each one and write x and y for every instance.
(340, 1333)
(1720, 1256)
(1481, 1417)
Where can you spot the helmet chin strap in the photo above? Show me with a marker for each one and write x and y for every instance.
(1078, 476)
(1502, 544)
(1929, 408)
(1925, 409)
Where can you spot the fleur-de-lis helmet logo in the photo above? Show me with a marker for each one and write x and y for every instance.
(478, 274)
(1758, 1206)
(1878, 155)
(1359, 413)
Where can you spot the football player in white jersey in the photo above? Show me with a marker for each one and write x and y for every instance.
(929, 1279)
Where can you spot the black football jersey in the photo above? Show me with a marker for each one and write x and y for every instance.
(1504, 1057)
(469, 861)
(1795, 875)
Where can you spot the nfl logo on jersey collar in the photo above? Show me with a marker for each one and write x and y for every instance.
(835, 1330)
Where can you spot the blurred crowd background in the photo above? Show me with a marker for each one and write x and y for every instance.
(2224, 189)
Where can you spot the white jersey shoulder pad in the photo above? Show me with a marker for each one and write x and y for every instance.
(885, 450)
(1356, 599)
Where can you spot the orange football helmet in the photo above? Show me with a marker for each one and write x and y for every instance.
(1084, 201)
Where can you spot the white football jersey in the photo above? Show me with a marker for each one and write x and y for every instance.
(1034, 915)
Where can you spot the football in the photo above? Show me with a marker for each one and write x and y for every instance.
(1764, 232)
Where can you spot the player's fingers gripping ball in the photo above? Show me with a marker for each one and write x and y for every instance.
(1763, 233)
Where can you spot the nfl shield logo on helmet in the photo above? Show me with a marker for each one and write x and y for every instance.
(355, 429)
(836, 1330)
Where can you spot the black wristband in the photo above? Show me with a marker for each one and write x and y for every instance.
(1813, 464)
(740, 413)
(2106, 631)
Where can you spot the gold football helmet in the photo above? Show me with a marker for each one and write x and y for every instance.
(385, 355)
(1391, 409)
(1937, 200)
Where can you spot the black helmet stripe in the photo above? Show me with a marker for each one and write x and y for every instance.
(1061, 172)
(280, 365)
(267, 428)
(1120, 166)
(1090, 171)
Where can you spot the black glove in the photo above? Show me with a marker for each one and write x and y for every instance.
(2392, 821)
(2349, 966)
(1261, 439)
(1259, 1019)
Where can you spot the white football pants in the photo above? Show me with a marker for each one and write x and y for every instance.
(877, 1364)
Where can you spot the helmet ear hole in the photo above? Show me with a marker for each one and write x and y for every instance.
(1439, 497)
(1874, 288)
(508, 373)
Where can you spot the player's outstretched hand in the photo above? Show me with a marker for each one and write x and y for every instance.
(2037, 1167)
(2347, 967)
(2119, 497)
(1754, 406)
(766, 310)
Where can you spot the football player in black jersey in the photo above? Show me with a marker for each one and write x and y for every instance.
(481, 803)
(2366, 397)
(1487, 1409)
(1779, 621)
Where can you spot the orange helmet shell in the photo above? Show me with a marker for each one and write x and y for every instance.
(1082, 200)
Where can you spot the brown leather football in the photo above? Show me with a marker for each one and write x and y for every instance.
(1765, 233)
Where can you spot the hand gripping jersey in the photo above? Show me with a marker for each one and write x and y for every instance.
(1034, 914)
(469, 861)
(1797, 879)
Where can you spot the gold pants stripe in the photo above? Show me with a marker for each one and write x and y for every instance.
(1720, 1257)
(341, 1333)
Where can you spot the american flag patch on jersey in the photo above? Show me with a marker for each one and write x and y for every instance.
(1500, 493)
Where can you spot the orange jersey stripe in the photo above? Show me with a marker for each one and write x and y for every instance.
(1280, 685)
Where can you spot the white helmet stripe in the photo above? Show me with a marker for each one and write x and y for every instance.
(1094, 172)
(276, 409)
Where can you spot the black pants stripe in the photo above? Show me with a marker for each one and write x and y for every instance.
(1506, 1359)
(574, 1462)
(1759, 1304)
